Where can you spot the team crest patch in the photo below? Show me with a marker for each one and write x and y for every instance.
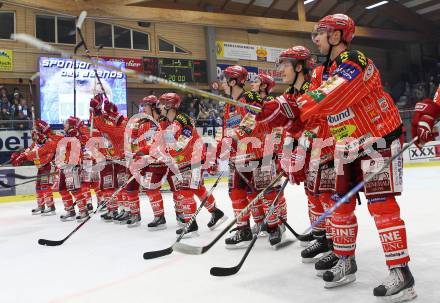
(368, 72)
(317, 95)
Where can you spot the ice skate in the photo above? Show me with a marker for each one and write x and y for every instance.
(49, 211)
(241, 239)
(134, 221)
(342, 273)
(158, 223)
(191, 232)
(69, 215)
(38, 211)
(276, 235)
(397, 287)
(316, 249)
(263, 229)
(217, 218)
(82, 216)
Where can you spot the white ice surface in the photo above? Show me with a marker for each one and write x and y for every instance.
(103, 262)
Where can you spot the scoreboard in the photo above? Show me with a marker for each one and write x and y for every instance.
(177, 70)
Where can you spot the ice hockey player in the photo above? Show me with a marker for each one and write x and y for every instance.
(263, 85)
(111, 124)
(360, 116)
(42, 153)
(248, 172)
(427, 114)
(184, 176)
(69, 157)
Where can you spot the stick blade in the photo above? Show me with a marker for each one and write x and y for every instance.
(157, 253)
(224, 271)
(188, 249)
(45, 242)
(81, 19)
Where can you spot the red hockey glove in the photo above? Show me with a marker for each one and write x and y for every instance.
(95, 106)
(294, 167)
(19, 160)
(15, 155)
(425, 116)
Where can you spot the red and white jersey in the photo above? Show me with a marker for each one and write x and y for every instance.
(113, 134)
(437, 96)
(42, 154)
(353, 101)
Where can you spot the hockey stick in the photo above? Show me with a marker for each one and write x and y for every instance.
(18, 184)
(28, 39)
(229, 271)
(357, 188)
(198, 250)
(163, 252)
(45, 242)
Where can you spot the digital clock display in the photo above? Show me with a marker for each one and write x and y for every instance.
(177, 70)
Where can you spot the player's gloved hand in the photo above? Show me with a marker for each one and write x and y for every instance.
(95, 106)
(254, 99)
(14, 155)
(425, 116)
(19, 160)
(110, 107)
(294, 167)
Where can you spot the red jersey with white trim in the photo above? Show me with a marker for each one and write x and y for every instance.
(42, 154)
(114, 135)
(180, 137)
(437, 96)
(353, 101)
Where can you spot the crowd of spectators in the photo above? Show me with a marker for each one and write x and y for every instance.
(204, 111)
(15, 113)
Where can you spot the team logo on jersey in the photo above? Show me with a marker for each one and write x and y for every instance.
(347, 71)
(340, 117)
(317, 95)
(331, 84)
(368, 72)
(343, 131)
(420, 107)
(383, 103)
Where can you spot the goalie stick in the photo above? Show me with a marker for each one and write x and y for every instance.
(45, 242)
(28, 39)
(163, 252)
(229, 271)
(198, 250)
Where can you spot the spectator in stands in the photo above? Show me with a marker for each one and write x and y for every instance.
(23, 121)
(203, 115)
(5, 113)
(3, 92)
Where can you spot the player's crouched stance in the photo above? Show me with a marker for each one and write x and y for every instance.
(362, 119)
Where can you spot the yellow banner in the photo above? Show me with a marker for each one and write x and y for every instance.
(6, 64)
(220, 49)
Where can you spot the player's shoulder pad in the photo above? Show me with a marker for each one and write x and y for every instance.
(354, 56)
(304, 87)
(268, 98)
(252, 97)
(183, 119)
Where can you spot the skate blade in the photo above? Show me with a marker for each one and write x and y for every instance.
(52, 213)
(405, 295)
(320, 273)
(159, 227)
(81, 220)
(219, 222)
(67, 220)
(345, 280)
(134, 224)
(263, 234)
(304, 243)
(283, 244)
(38, 213)
(123, 222)
(242, 244)
(189, 235)
(315, 258)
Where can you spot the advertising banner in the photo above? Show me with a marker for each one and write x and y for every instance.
(6, 60)
(232, 50)
(130, 63)
(56, 88)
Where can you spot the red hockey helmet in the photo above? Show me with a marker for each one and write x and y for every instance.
(38, 137)
(337, 22)
(71, 126)
(150, 100)
(42, 126)
(268, 80)
(236, 72)
(170, 100)
(296, 54)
